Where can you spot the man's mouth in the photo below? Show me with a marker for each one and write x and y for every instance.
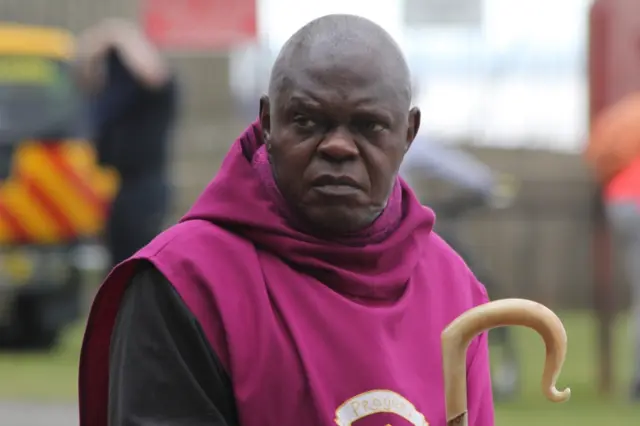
(336, 185)
(336, 190)
(339, 180)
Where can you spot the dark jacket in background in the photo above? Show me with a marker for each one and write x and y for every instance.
(133, 127)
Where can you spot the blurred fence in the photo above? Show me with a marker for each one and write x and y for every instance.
(541, 246)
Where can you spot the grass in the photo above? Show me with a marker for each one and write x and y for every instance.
(585, 407)
(42, 376)
(52, 377)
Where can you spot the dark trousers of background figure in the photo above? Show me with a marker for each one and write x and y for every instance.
(137, 215)
(506, 374)
(624, 217)
(454, 209)
(451, 237)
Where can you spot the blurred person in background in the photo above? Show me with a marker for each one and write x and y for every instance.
(476, 186)
(132, 98)
(613, 152)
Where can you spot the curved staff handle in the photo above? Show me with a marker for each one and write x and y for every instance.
(458, 335)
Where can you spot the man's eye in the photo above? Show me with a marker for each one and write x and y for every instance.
(304, 122)
(372, 127)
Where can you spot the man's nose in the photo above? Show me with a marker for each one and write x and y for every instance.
(338, 146)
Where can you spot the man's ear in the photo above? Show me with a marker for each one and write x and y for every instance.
(413, 127)
(265, 117)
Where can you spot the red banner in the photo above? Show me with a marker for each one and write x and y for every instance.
(199, 24)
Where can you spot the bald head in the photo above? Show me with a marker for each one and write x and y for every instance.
(338, 121)
(343, 44)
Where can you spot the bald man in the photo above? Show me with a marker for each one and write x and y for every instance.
(305, 286)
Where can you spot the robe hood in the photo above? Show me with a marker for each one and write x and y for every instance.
(375, 263)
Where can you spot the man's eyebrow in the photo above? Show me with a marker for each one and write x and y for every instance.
(298, 101)
(302, 99)
(375, 112)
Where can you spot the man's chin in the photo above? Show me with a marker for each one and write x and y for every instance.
(337, 220)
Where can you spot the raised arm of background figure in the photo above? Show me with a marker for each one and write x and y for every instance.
(137, 53)
(91, 48)
(141, 57)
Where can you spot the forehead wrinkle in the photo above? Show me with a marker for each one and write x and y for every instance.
(345, 80)
(370, 97)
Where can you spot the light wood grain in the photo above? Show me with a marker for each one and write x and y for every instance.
(507, 312)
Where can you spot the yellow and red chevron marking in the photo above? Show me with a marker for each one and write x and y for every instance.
(56, 192)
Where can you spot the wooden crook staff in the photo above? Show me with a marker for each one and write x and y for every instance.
(459, 334)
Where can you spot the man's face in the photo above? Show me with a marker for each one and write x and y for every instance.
(336, 135)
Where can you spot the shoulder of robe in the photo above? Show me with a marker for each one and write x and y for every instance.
(197, 248)
(185, 237)
(216, 273)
